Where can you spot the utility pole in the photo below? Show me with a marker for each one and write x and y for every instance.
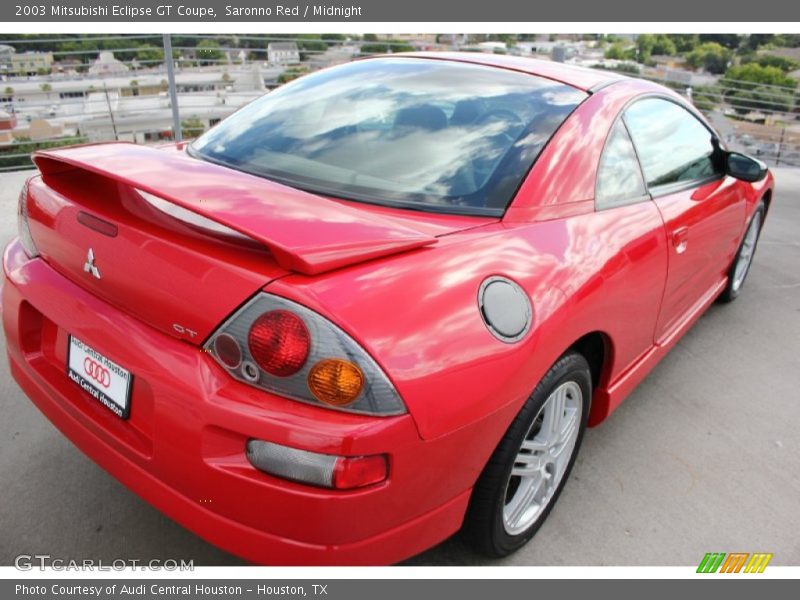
(110, 113)
(780, 147)
(177, 134)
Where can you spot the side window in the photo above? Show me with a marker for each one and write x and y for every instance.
(672, 145)
(619, 178)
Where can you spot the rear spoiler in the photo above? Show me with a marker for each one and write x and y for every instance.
(305, 233)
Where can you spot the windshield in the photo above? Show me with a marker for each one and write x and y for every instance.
(426, 134)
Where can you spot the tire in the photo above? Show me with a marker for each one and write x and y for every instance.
(744, 256)
(497, 522)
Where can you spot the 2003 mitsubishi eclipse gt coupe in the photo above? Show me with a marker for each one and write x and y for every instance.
(378, 305)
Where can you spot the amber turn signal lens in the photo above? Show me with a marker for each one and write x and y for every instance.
(336, 382)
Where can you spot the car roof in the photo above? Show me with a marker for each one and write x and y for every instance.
(572, 75)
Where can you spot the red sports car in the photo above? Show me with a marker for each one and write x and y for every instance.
(379, 304)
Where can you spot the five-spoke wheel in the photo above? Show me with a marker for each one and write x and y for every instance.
(525, 475)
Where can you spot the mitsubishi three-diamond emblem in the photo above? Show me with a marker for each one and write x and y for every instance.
(89, 265)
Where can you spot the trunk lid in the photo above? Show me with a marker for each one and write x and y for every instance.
(181, 244)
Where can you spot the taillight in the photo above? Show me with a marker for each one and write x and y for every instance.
(359, 471)
(335, 381)
(22, 223)
(285, 348)
(279, 342)
(312, 468)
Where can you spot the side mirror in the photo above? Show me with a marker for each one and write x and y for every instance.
(745, 167)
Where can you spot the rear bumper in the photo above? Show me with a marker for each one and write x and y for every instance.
(182, 448)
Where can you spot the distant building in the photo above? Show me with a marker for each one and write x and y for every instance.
(423, 38)
(30, 96)
(667, 61)
(106, 64)
(7, 120)
(67, 66)
(40, 129)
(560, 53)
(491, 47)
(453, 39)
(332, 56)
(31, 63)
(6, 52)
(70, 106)
(283, 53)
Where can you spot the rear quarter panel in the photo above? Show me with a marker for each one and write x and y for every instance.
(418, 314)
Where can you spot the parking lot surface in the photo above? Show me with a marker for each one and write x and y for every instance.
(704, 456)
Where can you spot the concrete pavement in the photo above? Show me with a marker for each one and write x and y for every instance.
(704, 456)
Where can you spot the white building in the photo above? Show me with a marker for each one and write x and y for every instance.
(491, 47)
(6, 52)
(106, 65)
(282, 53)
(149, 119)
(96, 107)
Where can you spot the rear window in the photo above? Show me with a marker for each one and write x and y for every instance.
(417, 133)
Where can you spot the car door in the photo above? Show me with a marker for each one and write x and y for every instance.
(628, 222)
(703, 210)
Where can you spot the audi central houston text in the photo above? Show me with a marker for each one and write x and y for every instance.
(379, 305)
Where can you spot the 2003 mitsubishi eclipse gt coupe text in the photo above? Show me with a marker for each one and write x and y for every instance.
(378, 305)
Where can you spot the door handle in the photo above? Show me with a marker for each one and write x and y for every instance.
(680, 239)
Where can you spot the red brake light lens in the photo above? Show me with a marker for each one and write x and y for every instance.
(279, 342)
(359, 471)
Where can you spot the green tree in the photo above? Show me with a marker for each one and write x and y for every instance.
(310, 44)
(648, 44)
(706, 98)
(208, 52)
(770, 60)
(663, 44)
(385, 48)
(710, 56)
(684, 42)
(728, 40)
(789, 40)
(46, 88)
(756, 40)
(761, 98)
(291, 73)
(617, 51)
(755, 74)
(754, 87)
(9, 91)
(149, 54)
(192, 127)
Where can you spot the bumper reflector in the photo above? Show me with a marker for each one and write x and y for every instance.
(323, 470)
